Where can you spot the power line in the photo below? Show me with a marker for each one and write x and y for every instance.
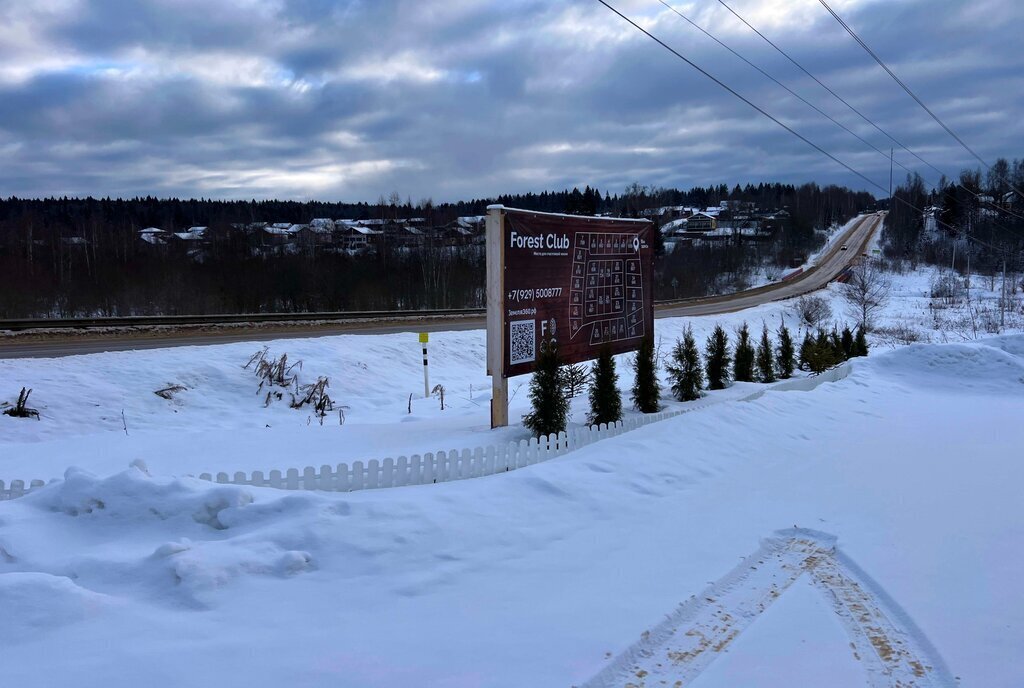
(772, 118)
(779, 83)
(740, 96)
(910, 93)
(808, 103)
(826, 87)
(861, 114)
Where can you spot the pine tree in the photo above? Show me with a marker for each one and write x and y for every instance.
(684, 368)
(785, 358)
(860, 343)
(547, 397)
(646, 389)
(823, 354)
(806, 351)
(848, 343)
(835, 340)
(605, 399)
(717, 358)
(743, 364)
(765, 358)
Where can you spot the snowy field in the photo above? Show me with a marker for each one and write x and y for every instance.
(903, 480)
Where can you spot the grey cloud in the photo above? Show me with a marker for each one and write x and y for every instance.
(481, 98)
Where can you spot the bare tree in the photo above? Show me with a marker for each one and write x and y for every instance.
(866, 292)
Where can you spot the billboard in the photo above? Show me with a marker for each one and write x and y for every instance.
(585, 281)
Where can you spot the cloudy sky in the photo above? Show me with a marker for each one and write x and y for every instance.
(449, 99)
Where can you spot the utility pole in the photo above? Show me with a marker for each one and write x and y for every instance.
(1002, 301)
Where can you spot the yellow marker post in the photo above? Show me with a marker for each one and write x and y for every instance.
(424, 338)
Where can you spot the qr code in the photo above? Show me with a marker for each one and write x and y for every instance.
(522, 341)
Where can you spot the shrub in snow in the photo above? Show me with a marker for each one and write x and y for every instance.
(605, 399)
(813, 310)
(315, 395)
(550, 406)
(785, 354)
(717, 358)
(646, 389)
(684, 368)
(765, 358)
(438, 392)
(272, 372)
(743, 363)
(20, 408)
(947, 290)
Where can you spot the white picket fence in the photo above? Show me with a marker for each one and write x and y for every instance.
(439, 467)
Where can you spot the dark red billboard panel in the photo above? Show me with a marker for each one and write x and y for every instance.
(587, 282)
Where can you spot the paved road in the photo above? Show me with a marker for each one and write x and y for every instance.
(829, 267)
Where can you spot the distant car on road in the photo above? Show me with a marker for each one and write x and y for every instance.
(843, 247)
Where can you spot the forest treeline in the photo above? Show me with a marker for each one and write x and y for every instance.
(79, 257)
(977, 218)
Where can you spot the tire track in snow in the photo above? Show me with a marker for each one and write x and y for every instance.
(892, 649)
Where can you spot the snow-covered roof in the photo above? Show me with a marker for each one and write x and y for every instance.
(471, 221)
(674, 225)
(197, 230)
(188, 236)
(321, 223)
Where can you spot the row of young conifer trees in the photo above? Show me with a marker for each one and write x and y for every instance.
(553, 384)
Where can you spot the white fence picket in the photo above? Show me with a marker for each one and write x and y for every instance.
(341, 478)
(401, 471)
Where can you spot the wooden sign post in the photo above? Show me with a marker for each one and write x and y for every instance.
(495, 301)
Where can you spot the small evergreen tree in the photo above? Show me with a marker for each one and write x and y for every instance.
(605, 399)
(765, 359)
(743, 363)
(684, 368)
(574, 379)
(860, 343)
(547, 396)
(806, 351)
(835, 340)
(822, 354)
(786, 354)
(848, 343)
(646, 388)
(717, 358)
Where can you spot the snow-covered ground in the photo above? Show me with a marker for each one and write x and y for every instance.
(546, 576)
